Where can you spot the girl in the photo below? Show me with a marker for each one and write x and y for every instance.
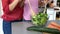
(30, 5)
(12, 12)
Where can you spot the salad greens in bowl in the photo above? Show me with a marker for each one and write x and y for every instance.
(40, 19)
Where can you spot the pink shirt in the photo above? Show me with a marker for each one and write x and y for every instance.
(27, 10)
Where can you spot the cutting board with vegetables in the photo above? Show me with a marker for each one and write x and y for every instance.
(52, 28)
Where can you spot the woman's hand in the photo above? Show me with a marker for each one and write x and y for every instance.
(46, 1)
(41, 3)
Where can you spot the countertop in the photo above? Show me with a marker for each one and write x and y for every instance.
(20, 27)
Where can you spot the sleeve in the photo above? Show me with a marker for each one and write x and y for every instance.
(5, 5)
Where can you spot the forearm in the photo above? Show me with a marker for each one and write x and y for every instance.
(13, 5)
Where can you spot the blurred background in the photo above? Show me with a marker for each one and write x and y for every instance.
(17, 25)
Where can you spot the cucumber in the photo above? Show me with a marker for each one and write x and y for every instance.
(44, 29)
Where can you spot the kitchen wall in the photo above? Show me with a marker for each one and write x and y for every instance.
(55, 2)
(1, 11)
(1, 20)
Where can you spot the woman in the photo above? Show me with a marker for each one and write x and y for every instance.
(30, 4)
(13, 11)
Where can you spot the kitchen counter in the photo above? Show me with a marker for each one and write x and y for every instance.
(20, 27)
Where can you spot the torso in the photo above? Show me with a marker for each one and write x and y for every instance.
(27, 10)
